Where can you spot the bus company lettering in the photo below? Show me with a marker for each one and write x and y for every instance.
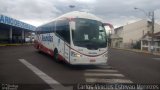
(47, 38)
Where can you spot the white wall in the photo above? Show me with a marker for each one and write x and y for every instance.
(133, 32)
(156, 28)
(119, 32)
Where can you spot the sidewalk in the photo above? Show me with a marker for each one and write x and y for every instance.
(15, 44)
(139, 51)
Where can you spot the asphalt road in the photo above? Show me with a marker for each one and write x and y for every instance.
(29, 69)
(139, 67)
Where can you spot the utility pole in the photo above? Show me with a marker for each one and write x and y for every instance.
(152, 32)
(151, 47)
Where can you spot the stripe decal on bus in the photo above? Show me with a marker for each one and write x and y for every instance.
(47, 50)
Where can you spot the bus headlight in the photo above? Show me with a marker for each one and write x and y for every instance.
(74, 54)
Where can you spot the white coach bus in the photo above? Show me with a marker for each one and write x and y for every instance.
(78, 38)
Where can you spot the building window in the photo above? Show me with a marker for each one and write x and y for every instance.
(145, 43)
(158, 43)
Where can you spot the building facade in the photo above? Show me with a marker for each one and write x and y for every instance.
(14, 31)
(130, 35)
(146, 42)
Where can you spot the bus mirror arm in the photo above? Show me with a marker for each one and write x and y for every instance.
(110, 26)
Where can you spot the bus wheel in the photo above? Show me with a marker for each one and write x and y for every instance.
(55, 56)
(39, 49)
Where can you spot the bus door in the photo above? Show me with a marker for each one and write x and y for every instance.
(68, 45)
(68, 40)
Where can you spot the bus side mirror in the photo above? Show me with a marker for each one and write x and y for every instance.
(110, 26)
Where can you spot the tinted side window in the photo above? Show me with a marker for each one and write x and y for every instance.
(52, 26)
(62, 29)
(47, 28)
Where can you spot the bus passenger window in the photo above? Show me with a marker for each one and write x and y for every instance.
(62, 29)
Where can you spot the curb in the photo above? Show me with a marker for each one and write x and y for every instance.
(139, 51)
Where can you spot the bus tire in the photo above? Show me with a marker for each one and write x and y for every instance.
(38, 48)
(55, 56)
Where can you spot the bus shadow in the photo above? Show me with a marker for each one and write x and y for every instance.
(84, 67)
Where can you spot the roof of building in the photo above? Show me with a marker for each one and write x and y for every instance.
(143, 20)
(155, 35)
(121, 27)
(13, 22)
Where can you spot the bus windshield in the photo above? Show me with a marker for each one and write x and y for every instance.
(89, 33)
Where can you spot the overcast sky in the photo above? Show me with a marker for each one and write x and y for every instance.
(117, 12)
